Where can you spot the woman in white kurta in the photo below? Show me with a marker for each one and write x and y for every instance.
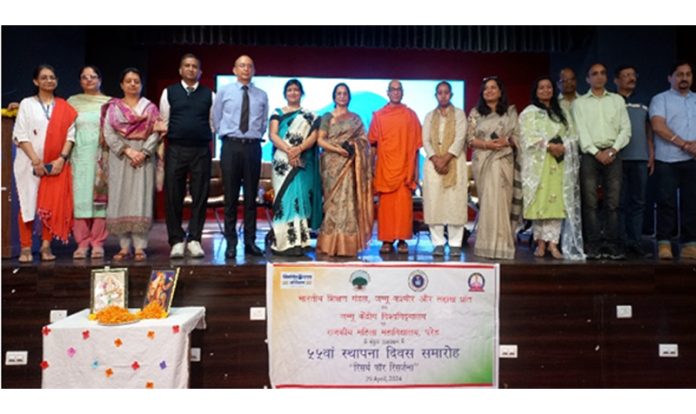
(31, 163)
(129, 133)
(89, 225)
(445, 174)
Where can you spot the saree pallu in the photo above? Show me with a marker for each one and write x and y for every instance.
(297, 203)
(347, 187)
(55, 199)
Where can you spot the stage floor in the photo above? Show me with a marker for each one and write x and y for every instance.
(214, 244)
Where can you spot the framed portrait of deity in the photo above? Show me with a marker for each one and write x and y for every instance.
(160, 288)
(109, 287)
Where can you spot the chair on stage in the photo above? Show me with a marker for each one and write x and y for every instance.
(472, 203)
(216, 193)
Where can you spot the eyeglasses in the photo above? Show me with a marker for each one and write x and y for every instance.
(601, 72)
(47, 78)
(488, 78)
(394, 89)
(89, 77)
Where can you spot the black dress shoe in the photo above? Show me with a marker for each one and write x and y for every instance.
(253, 250)
(231, 251)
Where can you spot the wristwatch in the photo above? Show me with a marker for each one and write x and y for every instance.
(65, 157)
(611, 153)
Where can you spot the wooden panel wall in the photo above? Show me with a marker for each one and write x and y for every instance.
(561, 317)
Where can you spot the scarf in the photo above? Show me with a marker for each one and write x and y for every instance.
(126, 122)
(55, 199)
(449, 179)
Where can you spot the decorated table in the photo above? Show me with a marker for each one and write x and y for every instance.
(150, 353)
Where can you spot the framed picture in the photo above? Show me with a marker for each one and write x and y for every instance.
(109, 287)
(161, 287)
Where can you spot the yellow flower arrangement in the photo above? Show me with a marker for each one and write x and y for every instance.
(10, 113)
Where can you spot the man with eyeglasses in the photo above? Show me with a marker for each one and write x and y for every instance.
(396, 132)
(186, 109)
(673, 118)
(604, 129)
(240, 117)
(637, 159)
(568, 86)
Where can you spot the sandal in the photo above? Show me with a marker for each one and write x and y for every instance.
(402, 247)
(47, 254)
(140, 256)
(122, 255)
(25, 255)
(80, 253)
(97, 253)
(386, 248)
(540, 251)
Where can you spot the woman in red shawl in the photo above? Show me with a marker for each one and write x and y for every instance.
(45, 133)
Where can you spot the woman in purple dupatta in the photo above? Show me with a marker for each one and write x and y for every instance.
(129, 131)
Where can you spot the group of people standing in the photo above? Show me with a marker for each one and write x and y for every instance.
(542, 165)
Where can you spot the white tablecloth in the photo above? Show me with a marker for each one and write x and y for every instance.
(152, 353)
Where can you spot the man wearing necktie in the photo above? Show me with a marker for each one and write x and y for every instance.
(240, 117)
(185, 108)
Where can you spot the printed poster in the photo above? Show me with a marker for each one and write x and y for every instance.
(382, 325)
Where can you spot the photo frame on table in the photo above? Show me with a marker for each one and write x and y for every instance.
(161, 286)
(108, 287)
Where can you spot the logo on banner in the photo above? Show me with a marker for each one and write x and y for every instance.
(418, 281)
(359, 279)
(476, 282)
(296, 280)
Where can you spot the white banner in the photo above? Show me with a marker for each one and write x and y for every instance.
(387, 325)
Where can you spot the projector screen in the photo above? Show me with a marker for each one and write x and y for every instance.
(367, 96)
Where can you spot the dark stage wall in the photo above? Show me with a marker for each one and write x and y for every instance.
(651, 49)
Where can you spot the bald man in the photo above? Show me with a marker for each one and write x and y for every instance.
(240, 117)
(396, 132)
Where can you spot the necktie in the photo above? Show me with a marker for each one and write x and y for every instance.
(244, 119)
(189, 90)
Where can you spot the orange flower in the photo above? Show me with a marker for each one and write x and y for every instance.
(109, 372)
(152, 311)
(151, 334)
(118, 342)
(114, 314)
(150, 385)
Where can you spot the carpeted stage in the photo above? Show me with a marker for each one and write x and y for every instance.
(561, 315)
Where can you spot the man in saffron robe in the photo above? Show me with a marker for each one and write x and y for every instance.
(396, 132)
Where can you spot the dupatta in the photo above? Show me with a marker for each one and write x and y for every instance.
(55, 202)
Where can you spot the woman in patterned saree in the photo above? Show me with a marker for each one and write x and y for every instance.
(550, 166)
(89, 186)
(493, 133)
(129, 131)
(296, 182)
(346, 173)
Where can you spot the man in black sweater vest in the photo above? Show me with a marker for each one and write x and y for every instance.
(185, 107)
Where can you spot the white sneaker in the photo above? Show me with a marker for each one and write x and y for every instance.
(177, 251)
(195, 250)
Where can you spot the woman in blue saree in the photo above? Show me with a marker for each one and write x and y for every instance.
(296, 183)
